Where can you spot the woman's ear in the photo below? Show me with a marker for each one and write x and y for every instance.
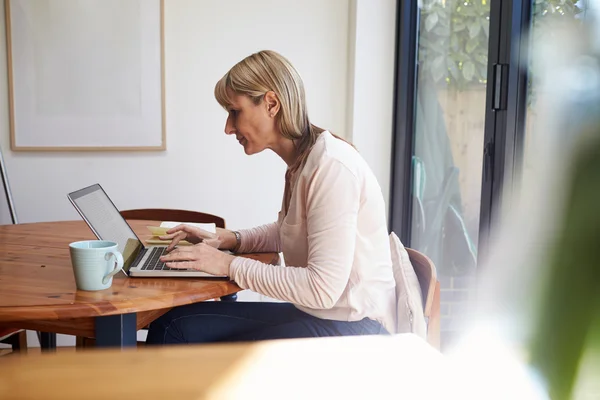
(272, 103)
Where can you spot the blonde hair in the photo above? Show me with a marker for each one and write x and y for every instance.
(266, 71)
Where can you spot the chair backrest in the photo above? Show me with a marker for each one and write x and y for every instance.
(163, 214)
(430, 287)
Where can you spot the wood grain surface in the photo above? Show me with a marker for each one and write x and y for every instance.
(352, 367)
(37, 282)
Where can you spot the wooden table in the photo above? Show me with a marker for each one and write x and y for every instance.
(360, 367)
(38, 292)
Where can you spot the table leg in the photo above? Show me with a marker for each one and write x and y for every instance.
(229, 298)
(47, 341)
(116, 331)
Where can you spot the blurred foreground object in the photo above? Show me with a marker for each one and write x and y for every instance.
(403, 366)
(569, 304)
(539, 297)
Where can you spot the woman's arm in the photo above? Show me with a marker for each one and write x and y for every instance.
(264, 238)
(333, 199)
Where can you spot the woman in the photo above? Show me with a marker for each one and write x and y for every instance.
(331, 228)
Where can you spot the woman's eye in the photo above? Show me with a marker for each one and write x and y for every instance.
(233, 112)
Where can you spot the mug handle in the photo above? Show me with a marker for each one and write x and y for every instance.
(119, 259)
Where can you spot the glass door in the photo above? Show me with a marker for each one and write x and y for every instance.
(465, 113)
(465, 118)
(546, 14)
(448, 144)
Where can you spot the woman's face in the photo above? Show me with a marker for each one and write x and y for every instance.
(252, 124)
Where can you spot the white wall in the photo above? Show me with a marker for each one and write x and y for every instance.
(371, 84)
(342, 48)
(202, 169)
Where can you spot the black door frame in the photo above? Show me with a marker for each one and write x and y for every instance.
(506, 102)
(506, 99)
(407, 28)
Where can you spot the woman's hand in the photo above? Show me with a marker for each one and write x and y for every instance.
(223, 239)
(227, 238)
(201, 257)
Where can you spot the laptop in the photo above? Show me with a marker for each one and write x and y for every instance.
(105, 220)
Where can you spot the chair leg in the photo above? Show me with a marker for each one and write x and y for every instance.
(22, 341)
(18, 342)
(433, 327)
(230, 298)
(84, 343)
(47, 341)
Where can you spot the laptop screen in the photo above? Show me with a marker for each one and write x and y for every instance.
(106, 222)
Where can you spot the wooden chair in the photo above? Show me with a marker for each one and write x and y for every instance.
(16, 338)
(164, 214)
(430, 287)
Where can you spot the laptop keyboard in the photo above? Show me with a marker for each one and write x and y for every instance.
(153, 262)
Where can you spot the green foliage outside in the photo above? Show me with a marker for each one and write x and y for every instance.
(453, 42)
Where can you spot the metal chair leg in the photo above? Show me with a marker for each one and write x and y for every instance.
(230, 298)
(47, 341)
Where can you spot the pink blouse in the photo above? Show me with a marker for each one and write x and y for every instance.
(334, 241)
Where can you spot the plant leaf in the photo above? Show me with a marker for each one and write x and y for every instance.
(474, 28)
(444, 33)
(468, 11)
(471, 45)
(468, 70)
(454, 43)
(430, 21)
(453, 69)
(486, 29)
(458, 27)
(482, 59)
(438, 68)
(482, 71)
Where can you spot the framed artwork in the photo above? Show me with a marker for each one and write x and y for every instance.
(86, 75)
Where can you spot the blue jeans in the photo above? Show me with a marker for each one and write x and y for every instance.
(216, 321)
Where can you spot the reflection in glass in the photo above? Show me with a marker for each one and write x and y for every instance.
(547, 16)
(449, 131)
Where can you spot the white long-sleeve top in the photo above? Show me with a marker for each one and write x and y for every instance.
(334, 241)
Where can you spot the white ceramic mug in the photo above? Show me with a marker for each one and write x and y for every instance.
(95, 262)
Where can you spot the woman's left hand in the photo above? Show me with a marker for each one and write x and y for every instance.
(201, 257)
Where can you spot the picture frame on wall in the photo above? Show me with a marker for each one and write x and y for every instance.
(86, 75)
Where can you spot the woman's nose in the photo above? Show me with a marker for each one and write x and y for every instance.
(229, 126)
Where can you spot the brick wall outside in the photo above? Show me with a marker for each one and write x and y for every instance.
(457, 292)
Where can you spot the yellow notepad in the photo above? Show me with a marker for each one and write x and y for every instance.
(156, 241)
